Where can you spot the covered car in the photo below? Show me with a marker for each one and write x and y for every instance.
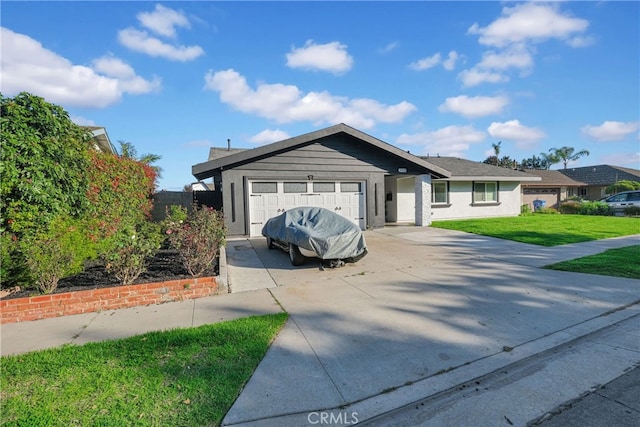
(315, 232)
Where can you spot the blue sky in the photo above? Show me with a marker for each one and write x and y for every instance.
(447, 78)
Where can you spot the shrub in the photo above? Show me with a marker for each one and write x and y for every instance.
(196, 235)
(596, 208)
(547, 210)
(525, 210)
(43, 161)
(120, 191)
(51, 254)
(570, 207)
(632, 211)
(131, 248)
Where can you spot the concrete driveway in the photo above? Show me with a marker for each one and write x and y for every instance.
(425, 310)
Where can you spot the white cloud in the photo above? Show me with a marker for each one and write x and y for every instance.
(426, 63)
(631, 160)
(581, 41)
(27, 66)
(516, 56)
(142, 42)
(436, 59)
(448, 141)
(477, 106)
(450, 63)
(268, 136)
(286, 103)
(513, 130)
(610, 130)
(82, 121)
(529, 22)
(163, 21)
(474, 77)
(389, 47)
(332, 57)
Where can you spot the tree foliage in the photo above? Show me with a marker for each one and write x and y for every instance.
(119, 194)
(128, 151)
(43, 162)
(624, 185)
(567, 154)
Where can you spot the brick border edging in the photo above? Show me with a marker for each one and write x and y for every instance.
(92, 300)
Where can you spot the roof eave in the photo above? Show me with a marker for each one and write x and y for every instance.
(204, 170)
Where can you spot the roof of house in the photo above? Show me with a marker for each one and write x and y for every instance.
(601, 175)
(204, 170)
(101, 139)
(552, 178)
(465, 170)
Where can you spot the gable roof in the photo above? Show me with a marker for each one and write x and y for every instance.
(205, 170)
(602, 175)
(467, 170)
(552, 178)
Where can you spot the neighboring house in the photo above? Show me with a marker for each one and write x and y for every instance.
(598, 178)
(101, 139)
(361, 177)
(554, 188)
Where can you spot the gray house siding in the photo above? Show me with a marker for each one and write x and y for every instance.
(332, 158)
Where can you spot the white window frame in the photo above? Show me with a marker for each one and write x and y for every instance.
(435, 184)
(484, 193)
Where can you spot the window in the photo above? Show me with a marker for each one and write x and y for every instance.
(295, 187)
(324, 187)
(439, 193)
(264, 187)
(485, 192)
(350, 187)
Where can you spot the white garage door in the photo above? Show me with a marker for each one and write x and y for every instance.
(270, 198)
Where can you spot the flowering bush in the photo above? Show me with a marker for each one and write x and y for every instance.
(197, 236)
(131, 248)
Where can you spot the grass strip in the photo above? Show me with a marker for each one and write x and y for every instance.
(547, 229)
(181, 377)
(619, 262)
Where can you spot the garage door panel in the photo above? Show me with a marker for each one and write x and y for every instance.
(336, 196)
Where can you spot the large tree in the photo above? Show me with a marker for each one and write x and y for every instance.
(567, 154)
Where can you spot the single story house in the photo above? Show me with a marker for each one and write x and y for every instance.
(597, 178)
(361, 177)
(554, 188)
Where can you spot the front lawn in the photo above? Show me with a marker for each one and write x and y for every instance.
(613, 262)
(547, 229)
(178, 377)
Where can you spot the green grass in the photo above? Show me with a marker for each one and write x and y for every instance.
(181, 377)
(547, 230)
(620, 262)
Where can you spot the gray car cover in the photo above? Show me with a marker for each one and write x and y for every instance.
(326, 233)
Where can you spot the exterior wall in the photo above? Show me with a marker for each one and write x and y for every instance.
(337, 157)
(461, 205)
(235, 194)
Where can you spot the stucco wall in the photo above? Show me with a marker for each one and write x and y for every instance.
(461, 206)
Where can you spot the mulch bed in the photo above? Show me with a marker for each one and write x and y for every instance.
(164, 266)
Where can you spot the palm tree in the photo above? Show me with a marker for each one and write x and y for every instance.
(128, 151)
(567, 154)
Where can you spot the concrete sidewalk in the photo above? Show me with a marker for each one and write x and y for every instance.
(425, 312)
